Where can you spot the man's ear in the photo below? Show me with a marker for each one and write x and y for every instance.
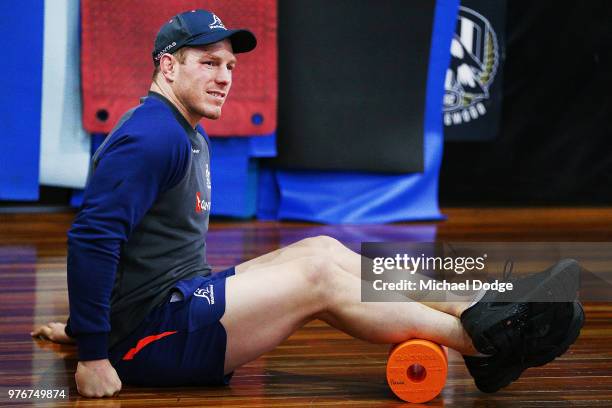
(167, 66)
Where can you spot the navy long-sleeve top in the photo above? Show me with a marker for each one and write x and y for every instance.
(142, 225)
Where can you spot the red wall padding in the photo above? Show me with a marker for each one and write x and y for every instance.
(116, 65)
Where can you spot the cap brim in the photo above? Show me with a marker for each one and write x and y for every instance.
(242, 40)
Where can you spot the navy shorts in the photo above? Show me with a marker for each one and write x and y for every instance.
(179, 343)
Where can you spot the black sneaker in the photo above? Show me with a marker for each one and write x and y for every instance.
(499, 370)
(528, 327)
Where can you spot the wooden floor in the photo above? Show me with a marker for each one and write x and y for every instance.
(317, 366)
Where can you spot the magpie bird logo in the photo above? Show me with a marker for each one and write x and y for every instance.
(474, 60)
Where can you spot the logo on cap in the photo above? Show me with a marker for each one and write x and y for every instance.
(217, 23)
(165, 50)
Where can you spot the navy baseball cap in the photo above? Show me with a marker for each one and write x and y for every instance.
(198, 27)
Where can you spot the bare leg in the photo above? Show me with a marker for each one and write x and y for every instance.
(343, 256)
(264, 308)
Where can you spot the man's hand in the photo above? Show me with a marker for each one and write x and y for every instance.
(54, 331)
(97, 378)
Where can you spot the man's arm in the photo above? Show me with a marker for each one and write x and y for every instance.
(131, 172)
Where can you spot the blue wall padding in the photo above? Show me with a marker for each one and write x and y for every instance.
(234, 177)
(347, 197)
(357, 198)
(22, 31)
(268, 195)
(234, 173)
(263, 146)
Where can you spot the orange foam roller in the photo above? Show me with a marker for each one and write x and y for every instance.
(417, 370)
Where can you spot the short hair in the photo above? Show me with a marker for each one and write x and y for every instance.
(180, 55)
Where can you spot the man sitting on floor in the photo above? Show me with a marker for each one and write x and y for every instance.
(144, 307)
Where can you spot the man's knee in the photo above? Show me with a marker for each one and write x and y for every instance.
(318, 246)
(323, 242)
(321, 273)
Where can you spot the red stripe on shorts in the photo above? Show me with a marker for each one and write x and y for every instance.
(142, 343)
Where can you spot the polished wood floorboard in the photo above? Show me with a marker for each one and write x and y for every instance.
(317, 366)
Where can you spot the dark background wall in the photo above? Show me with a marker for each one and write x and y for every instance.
(352, 84)
(555, 141)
